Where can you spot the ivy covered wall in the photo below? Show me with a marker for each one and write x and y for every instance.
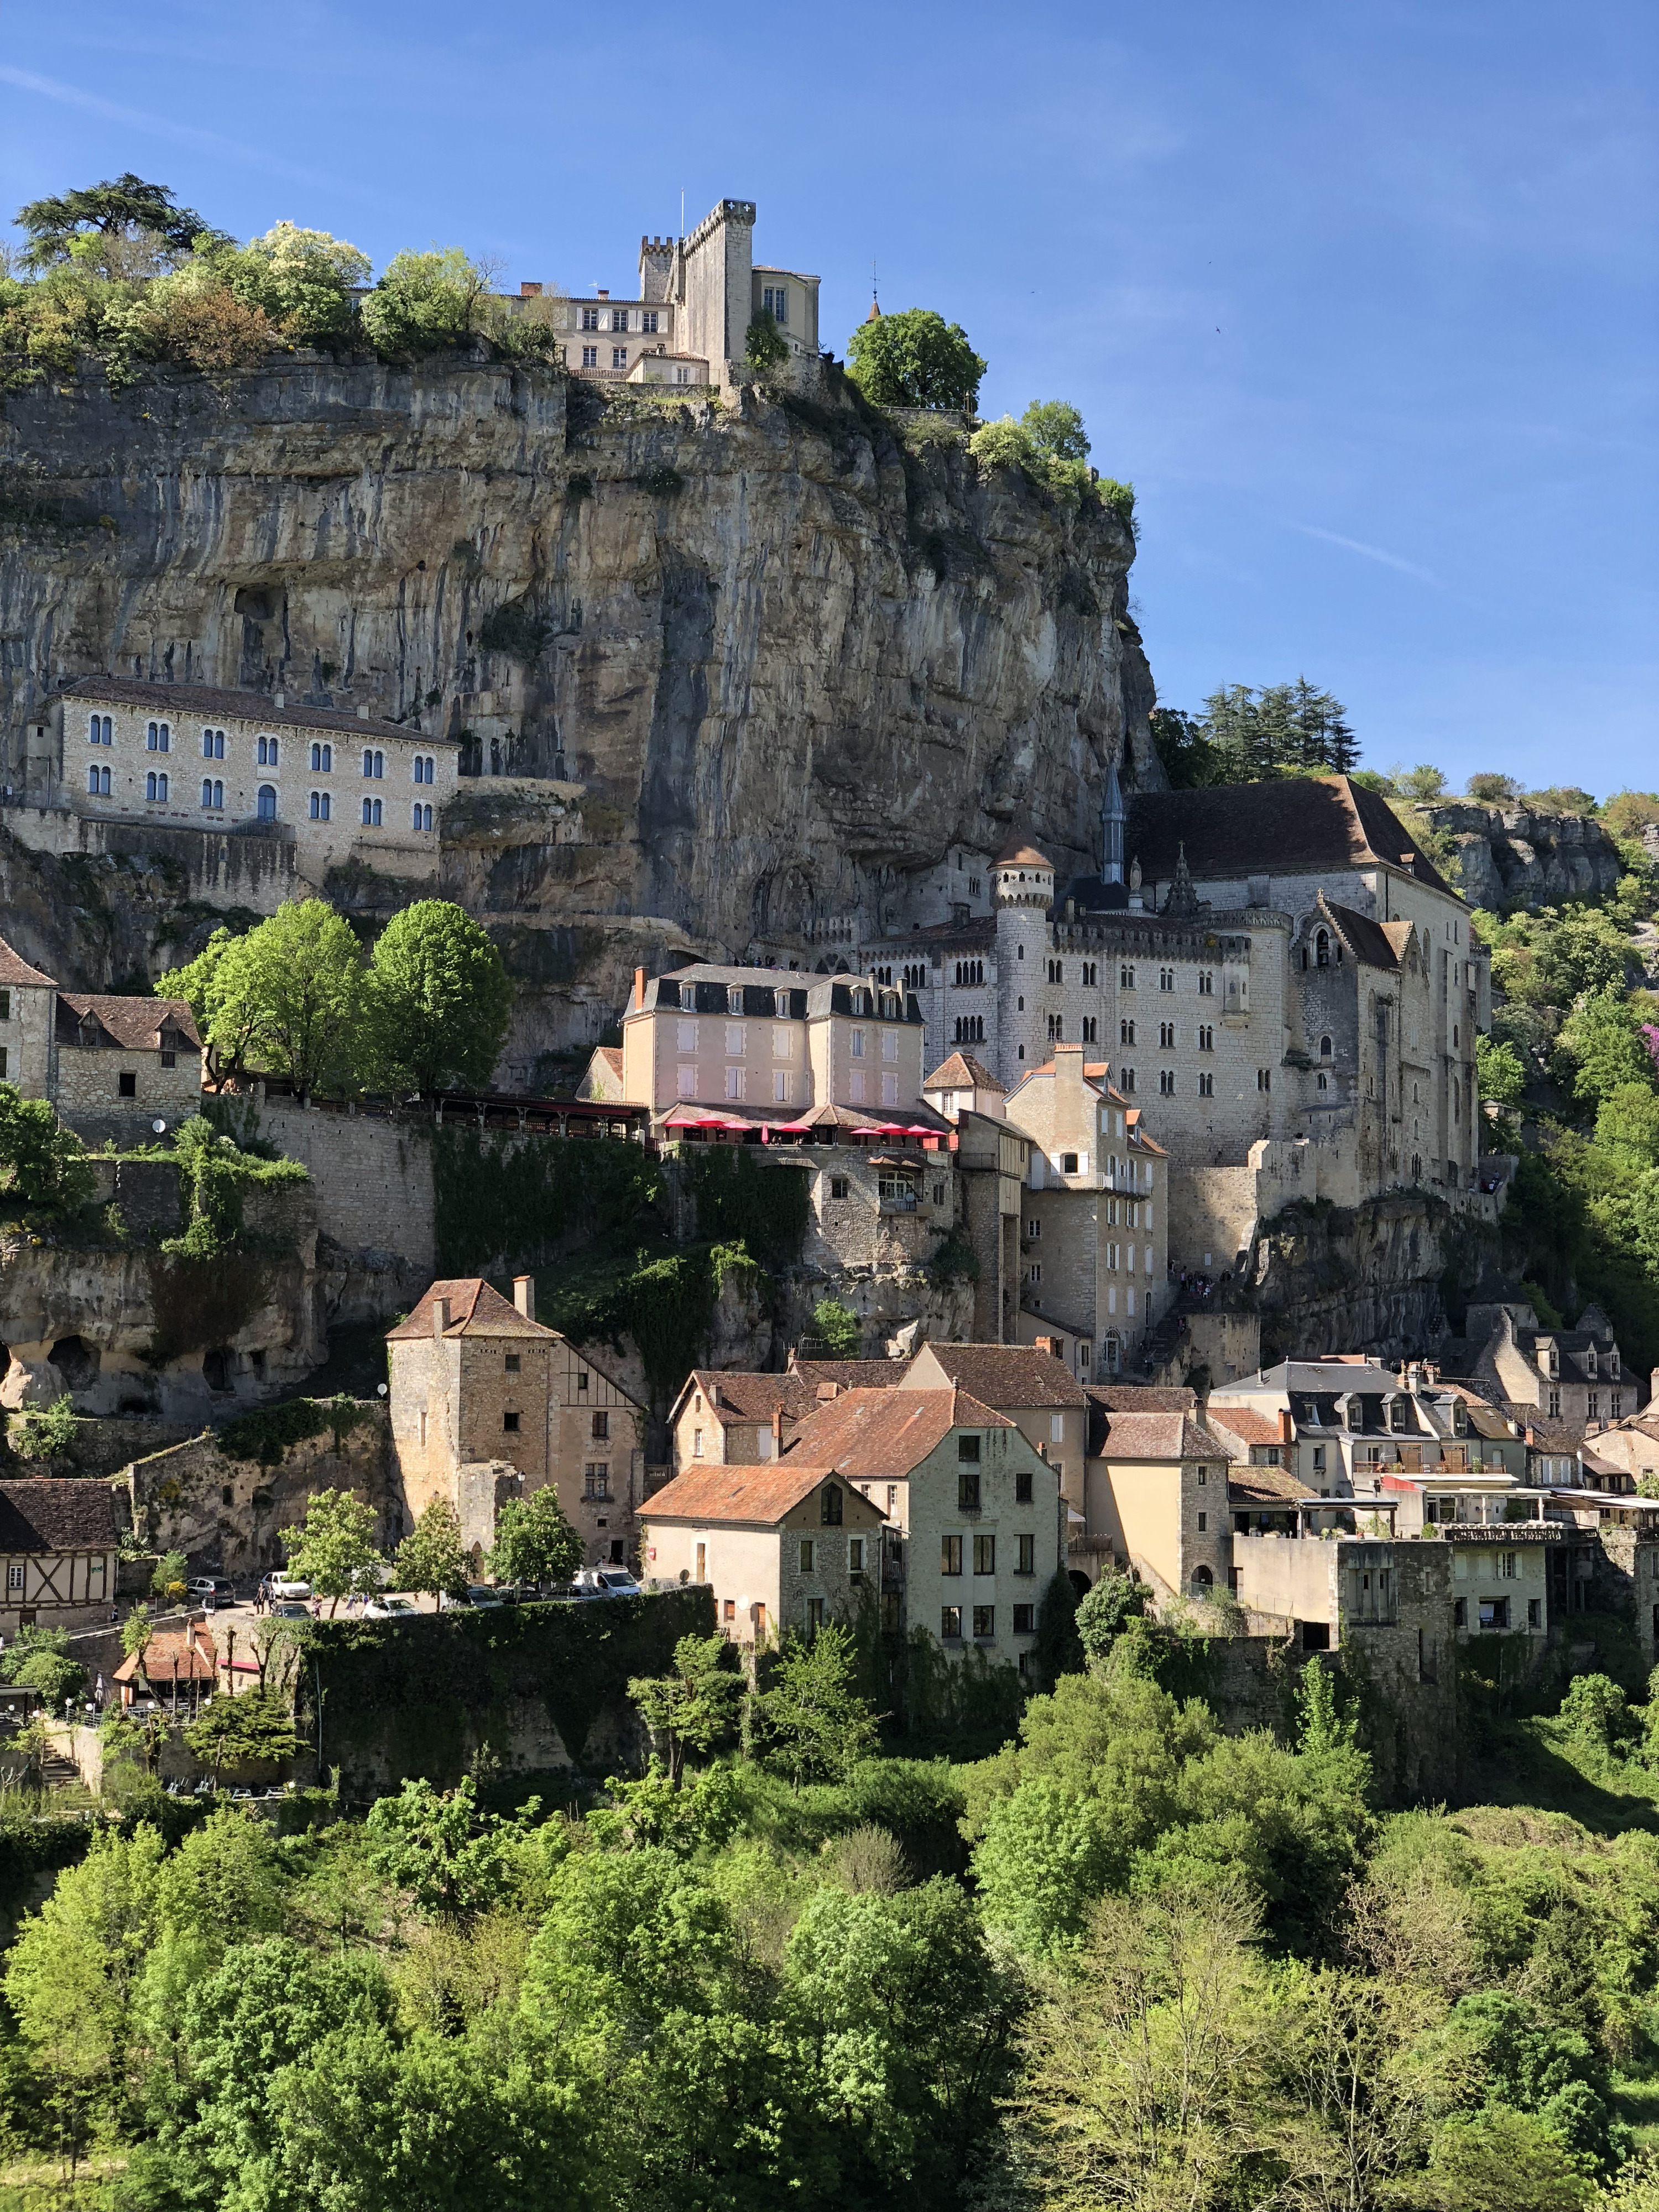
(540, 1688)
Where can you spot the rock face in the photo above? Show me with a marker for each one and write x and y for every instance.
(1512, 856)
(764, 658)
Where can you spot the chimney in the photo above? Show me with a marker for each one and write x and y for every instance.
(777, 1433)
(639, 988)
(1653, 1384)
(279, 698)
(1043, 1344)
(827, 1391)
(439, 1318)
(530, 291)
(523, 1295)
(1286, 1427)
(602, 296)
(363, 710)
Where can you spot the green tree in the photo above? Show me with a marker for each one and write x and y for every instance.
(1049, 442)
(441, 1846)
(302, 281)
(425, 302)
(839, 1332)
(290, 994)
(135, 1631)
(1498, 2160)
(534, 1542)
(1183, 743)
(1422, 786)
(45, 1432)
(52, 1675)
(251, 1725)
(1101, 1614)
(1492, 790)
(696, 1705)
(41, 1164)
(439, 1002)
(810, 1722)
(203, 984)
(1599, 1047)
(167, 1582)
(1628, 1123)
(120, 207)
(333, 1549)
(432, 1557)
(764, 344)
(1502, 1071)
(915, 359)
(29, 1641)
(1058, 1649)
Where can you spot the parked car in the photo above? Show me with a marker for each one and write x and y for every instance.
(607, 1582)
(283, 1586)
(391, 1608)
(290, 1610)
(483, 1594)
(216, 1586)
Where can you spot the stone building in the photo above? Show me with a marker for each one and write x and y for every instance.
(1575, 1376)
(58, 1554)
(688, 324)
(107, 752)
(1027, 1385)
(786, 1546)
(1094, 1232)
(1274, 963)
(112, 1067)
(737, 1419)
(1156, 1497)
(478, 1384)
(974, 1532)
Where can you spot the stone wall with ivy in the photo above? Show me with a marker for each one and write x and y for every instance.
(542, 1689)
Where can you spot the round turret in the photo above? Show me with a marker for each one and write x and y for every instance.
(1020, 876)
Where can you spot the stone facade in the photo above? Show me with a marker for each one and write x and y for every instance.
(372, 1176)
(1156, 1497)
(476, 1381)
(112, 1067)
(226, 1514)
(339, 788)
(688, 325)
(1094, 1231)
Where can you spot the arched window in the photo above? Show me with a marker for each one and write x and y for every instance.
(1323, 948)
(213, 794)
(101, 730)
(373, 764)
(322, 760)
(267, 752)
(371, 814)
(1324, 1048)
(158, 738)
(213, 744)
(1203, 1582)
(830, 1504)
(155, 787)
(267, 801)
(320, 806)
(422, 817)
(97, 780)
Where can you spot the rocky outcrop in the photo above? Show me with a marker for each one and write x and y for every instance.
(766, 657)
(1515, 857)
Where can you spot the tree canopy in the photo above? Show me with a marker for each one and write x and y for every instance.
(41, 1162)
(1250, 736)
(432, 1557)
(915, 359)
(534, 1542)
(333, 1547)
(121, 206)
(439, 1000)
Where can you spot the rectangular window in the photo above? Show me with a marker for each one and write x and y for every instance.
(985, 1555)
(649, 322)
(13, 1578)
(685, 1082)
(596, 1479)
(1022, 1487)
(783, 1083)
(1264, 1079)
(857, 1046)
(950, 1555)
(967, 1488)
(126, 1084)
(814, 1615)
(619, 356)
(619, 318)
(985, 1622)
(591, 354)
(1025, 1620)
(1025, 1554)
(839, 1186)
(602, 1428)
(949, 1624)
(3, 1049)
(590, 319)
(856, 1555)
(890, 1089)
(510, 1424)
(734, 1040)
(514, 1363)
(734, 1082)
(783, 1043)
(855, 1087)
(808, 1550)
(1203, 1523)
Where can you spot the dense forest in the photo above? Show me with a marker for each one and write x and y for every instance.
(1124, 1960)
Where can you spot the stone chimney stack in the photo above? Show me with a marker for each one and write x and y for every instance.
(523, 1295)
(639, 988)
(1286, 1427)
(777, 1433)
(440, 1319)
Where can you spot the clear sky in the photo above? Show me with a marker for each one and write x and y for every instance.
(1359, 295)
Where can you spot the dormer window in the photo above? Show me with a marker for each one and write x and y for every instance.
(734, 1000)
(780, 1004)
(1397, 1415)
(1589, 1360)
(1612, 1362)
(1356, 1415)
(689, 998)
(1460, 1417)
(1322, 949)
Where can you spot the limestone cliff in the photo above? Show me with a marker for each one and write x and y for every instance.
(765, 659)
(1519, 856)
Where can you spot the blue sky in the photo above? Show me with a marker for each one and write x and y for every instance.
(1361, 297)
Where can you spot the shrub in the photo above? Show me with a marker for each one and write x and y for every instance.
(40, 1433)
(838, 1329)
(424, 303)
(40, 1163)
(764, 344)
(301, 281)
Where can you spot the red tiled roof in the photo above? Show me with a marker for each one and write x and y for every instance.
(879, 1436)
(1157, 1436)
(196, 1664)
(1377, 943)
(1247, 1424)
(475, 1310)
(135, 1024)
(1267, 1485)
(765, 1493)
(15, 969)
(740, 1395)
(612, 1055)
(962, 1071)
(848, 1374)
(1016, 855)
(1005, 1374)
